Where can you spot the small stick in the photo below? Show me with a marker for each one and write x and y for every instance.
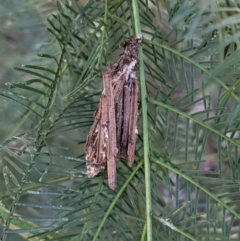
(133, 122)
(112, 148)
(126, 115)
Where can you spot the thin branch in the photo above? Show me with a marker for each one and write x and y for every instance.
(143, 92)
(113, 204)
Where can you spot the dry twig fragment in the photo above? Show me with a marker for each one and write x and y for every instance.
(113, 133)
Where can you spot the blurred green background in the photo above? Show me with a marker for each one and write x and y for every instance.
(23, 35)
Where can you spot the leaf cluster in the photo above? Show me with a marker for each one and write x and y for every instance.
(189, 68)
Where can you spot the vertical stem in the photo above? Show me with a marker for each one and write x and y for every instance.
(145, 124)
(104, 32)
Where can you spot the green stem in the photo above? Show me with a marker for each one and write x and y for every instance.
(95, 197)
(24, 118)
(144, 232)
(194, 63)
(113, 204)
(143, 92)
(199, 186)
(103, 35)
(171, 226)
(195, 120)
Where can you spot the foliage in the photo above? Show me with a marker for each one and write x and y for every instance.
(184, 184)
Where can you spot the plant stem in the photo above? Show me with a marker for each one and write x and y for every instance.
(114, 201)
(208, 73)
(145, 124)
(101, 50)
(144, 232)
(213, 196)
